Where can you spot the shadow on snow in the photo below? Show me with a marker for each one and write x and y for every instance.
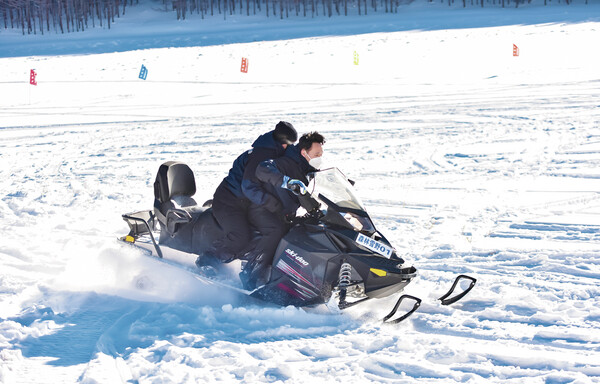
(117, 326)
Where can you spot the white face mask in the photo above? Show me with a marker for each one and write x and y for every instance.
(314, 162)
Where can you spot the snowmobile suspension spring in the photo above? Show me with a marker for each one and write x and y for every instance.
(345, 274)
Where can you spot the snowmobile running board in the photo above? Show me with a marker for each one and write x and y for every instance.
(446, 301)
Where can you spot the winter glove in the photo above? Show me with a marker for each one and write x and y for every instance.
(296, 186)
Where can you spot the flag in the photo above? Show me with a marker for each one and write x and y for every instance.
(244, 65)
(143, 72)
(515, 50)
(32, 76)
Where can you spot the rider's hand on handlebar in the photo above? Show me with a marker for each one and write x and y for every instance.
(296, 186)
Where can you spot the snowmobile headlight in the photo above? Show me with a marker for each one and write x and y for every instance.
(359, 223)
(353, 220)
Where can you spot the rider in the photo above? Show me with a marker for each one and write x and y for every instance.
(282, 178)
(230, 203)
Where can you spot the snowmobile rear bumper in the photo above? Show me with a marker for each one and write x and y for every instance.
(140, 223)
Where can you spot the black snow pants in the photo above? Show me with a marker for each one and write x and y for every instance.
(231, 213)
(272, 228)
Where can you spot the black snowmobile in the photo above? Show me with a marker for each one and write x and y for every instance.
(332, 252)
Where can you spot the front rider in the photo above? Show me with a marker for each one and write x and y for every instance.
(230, 204)
(282, 178)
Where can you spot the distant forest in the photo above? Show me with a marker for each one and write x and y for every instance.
(60, 16)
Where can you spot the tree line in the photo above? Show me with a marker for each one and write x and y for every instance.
(60, 16)
(37, 16)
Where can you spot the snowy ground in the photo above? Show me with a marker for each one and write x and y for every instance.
(470, 161)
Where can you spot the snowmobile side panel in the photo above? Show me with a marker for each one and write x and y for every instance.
(300, 267)
(197, 236)
(206, 231)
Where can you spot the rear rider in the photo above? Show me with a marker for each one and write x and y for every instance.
(232, 197)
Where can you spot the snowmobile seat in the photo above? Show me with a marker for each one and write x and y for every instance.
(174, 205)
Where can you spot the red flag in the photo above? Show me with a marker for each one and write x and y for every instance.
(32, 76)
(515, 50)
(244, 65)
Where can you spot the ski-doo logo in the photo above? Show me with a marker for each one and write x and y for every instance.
(296, 257)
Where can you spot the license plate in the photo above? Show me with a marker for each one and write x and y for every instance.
(374, 245)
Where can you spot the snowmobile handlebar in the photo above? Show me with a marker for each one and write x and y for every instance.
(309, 203)
(176, 216)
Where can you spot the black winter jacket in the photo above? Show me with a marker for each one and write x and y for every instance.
(271, 174)
(232, 187)
(233, 181)
(264, 148)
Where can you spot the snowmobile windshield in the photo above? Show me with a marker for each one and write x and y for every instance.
(332, 184)
(333, 190)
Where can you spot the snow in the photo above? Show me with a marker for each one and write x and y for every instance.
(469, 160)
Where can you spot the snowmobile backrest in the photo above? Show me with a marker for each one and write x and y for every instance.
(174, 187)
(174, 179)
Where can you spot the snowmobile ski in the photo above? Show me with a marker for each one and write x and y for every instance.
(445, 298)
(416, 305)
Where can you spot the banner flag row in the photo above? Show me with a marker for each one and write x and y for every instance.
(244, 68)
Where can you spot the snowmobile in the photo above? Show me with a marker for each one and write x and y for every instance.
(333, 252)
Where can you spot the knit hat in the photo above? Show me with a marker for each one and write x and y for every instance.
(285, 133)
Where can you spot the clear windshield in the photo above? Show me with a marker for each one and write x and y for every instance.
(334, 187)
(332, 184)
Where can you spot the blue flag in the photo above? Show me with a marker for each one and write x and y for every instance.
(143, 72)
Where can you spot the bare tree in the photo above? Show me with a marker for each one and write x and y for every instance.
(35, 16)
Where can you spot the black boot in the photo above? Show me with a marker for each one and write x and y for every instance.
(255, 273)
(208, 263)
(245, 279)
(263, 275)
